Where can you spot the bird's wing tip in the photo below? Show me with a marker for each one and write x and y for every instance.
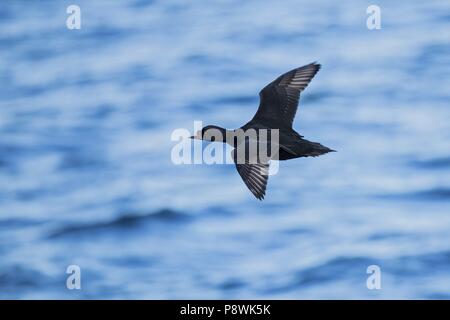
(259, 195)
(315, 64)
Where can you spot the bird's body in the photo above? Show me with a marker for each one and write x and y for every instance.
(277, 109)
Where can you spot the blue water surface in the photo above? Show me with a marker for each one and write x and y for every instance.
(86, 176)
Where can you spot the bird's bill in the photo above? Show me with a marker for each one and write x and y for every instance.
(198, 136)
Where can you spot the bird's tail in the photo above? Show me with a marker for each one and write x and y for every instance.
(315, 149)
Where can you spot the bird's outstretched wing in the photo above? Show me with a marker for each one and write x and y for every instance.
(279, 99)
(254, 174)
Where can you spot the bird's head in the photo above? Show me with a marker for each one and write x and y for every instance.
(211, 133)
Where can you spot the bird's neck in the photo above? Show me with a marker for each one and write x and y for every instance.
(231, 137)
(227, 135)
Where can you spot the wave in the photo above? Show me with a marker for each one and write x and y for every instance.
(16, 276)
(434, 194)
(337, 268)
(436, 163)
(345, 268)
(129, 220)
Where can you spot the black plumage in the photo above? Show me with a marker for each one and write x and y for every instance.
(277, 108)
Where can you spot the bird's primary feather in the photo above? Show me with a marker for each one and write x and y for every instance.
(279, 99)
(254, 175)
